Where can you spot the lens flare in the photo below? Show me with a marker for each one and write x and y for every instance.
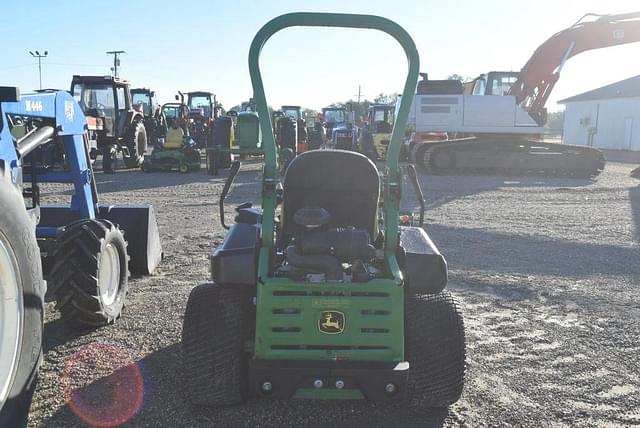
(103, 385)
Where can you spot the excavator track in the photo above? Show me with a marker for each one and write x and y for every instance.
(515, 157)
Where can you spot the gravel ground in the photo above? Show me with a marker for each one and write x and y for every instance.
(546, 269)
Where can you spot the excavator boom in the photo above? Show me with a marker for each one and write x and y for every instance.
(542, 71)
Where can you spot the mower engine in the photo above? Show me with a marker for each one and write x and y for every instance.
(329, 254)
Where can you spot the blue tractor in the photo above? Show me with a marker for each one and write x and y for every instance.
(341, 132)
(79, 249)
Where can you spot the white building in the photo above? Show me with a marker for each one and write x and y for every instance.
(607, 118)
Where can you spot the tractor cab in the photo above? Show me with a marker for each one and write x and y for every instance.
(380, 118)
(201, 104)
(202, 112)
(105, 99)
(293, 112)
(113, 123)
(377, 132)
(332, 117)
(145, 100)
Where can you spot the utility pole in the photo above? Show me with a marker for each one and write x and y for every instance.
(38, 55)
(359, 94)
(116, 61)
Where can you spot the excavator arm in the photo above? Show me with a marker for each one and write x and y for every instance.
(542, 71)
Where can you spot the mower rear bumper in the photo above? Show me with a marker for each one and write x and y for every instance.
(299, 379)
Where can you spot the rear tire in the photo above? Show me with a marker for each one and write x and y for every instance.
(212, 161)
(286, 156)
(435, 349)
(21, 305)
(90, 272)
(136, 143)
(216, 326)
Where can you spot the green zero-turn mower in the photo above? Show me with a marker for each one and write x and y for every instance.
(175, 150)
(330, 298)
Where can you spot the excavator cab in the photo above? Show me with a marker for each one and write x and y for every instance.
(492, 83)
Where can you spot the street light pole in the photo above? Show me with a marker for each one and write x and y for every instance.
(39, 56)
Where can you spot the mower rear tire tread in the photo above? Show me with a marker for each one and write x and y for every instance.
(216, 325)
(74, 276)
(435, 349)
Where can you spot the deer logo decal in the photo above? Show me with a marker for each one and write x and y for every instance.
(331, 322)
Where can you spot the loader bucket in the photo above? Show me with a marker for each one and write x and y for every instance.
(141, 232)
(138, 222)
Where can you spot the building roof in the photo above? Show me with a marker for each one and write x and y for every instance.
(628, 88)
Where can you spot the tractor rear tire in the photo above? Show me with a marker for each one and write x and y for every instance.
(435, 349)
(90, 273)
(215, 363)
(286, 157)
(21, 304)
(136, 143)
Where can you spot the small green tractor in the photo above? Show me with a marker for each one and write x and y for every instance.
(322, 293)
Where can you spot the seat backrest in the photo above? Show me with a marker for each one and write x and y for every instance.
(344, 183)
(174, 138)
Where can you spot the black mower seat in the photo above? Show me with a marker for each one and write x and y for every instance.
(344, 183)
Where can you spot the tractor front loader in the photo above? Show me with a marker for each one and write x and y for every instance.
(87, 249)
(321, 293)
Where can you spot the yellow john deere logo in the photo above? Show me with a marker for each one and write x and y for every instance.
(331, 322)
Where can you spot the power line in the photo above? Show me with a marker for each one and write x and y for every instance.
(64, 64)
(11, 67)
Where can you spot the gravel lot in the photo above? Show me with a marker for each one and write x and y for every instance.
(547, 271)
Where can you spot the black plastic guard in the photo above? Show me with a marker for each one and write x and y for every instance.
(424, 268)
(235, 261)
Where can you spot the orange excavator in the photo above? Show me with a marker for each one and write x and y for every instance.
(498, 118)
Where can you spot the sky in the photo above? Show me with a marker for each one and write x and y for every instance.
(204, 45)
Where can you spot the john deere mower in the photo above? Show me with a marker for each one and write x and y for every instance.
(176, 150)
(321, 293)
